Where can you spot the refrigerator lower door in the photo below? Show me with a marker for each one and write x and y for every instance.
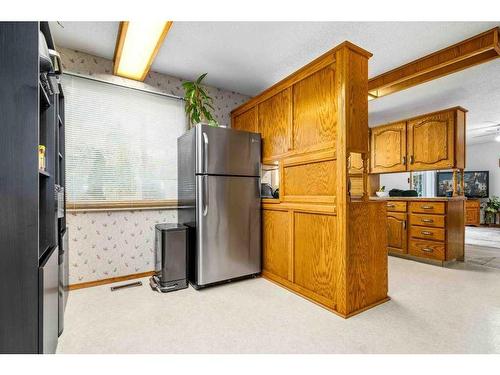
(228, 228)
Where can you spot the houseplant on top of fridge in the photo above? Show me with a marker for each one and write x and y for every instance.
(198, 103)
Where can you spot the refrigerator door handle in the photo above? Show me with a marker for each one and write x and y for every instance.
(204, 195)
(205, 152)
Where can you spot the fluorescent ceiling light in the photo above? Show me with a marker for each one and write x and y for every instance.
(137, 45)
(497, 138)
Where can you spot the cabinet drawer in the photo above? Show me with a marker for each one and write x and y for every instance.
(436, 221)
(428, 207)
(396, 206)
(437, 234)
(427, 249)
(472, 203)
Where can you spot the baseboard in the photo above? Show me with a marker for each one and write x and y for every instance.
(111, 280)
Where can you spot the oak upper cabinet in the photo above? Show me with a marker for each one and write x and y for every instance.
(431, 142)
(428, 142)
(396, 232)
(274, 119)
(246, 121)
(388, 148)
(314, 114)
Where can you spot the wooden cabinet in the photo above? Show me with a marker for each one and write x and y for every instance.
(314, 115)
(396, 232)
(247, 121)
(322, 239)
(473, 212)
(431, 141)
(274, 116)
(428, 142)
(276, 242)
(388, 148)
(428, 230)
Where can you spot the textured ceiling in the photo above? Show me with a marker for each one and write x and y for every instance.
(248, 57)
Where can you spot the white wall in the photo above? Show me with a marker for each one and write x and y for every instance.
(485, 157)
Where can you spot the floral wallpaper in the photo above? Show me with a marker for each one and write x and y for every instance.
(114, 243)
(105, 244)
(85, 64)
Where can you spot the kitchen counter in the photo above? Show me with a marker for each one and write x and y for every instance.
(437, 199)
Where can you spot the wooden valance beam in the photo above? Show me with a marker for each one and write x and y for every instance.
(473, 51)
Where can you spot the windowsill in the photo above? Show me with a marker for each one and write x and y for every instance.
(123, 205)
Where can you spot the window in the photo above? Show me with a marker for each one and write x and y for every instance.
(424, 183)
(121, 143)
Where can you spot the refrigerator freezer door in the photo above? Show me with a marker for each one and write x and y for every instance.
(228, 223)
(223, 151)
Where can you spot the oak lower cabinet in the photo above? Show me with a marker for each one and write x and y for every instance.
(429, 230)
(322, 239)
(427, 142)
(473, 212)
(396, 232)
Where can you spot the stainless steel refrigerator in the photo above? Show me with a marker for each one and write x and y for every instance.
(219, 188)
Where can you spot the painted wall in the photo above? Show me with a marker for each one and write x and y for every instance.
(485, 157)
(105, 244)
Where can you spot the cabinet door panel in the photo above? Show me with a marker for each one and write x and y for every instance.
(388, 148)
(396, 232)
(274, 124)
(276, 242)
(246, 121)
(431, 142)
(314, 114)
(315, 244)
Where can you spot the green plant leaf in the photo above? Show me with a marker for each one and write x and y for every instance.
(200, 78)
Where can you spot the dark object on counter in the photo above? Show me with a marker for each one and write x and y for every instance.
(449, 194)
(403, 193)
(266, 191)
(276, 193)
(171, 248)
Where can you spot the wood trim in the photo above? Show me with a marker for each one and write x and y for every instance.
(120, 40)
(459, 108)
(326, 209)
(465, 54)
(111, 280)
(122, 204)
(319, 63)
(159, 43)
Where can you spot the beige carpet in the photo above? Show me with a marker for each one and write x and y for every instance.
(433, 310)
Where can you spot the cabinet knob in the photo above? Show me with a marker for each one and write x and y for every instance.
(426, 233)
(427, 220)
(404, 160)
(427, 250)
(427, 207)
(412, 159)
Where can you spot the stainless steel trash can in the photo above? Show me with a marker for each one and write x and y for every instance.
(171, 245)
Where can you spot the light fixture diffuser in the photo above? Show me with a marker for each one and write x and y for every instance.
(136, 47)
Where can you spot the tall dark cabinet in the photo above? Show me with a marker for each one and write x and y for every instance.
(33, 250)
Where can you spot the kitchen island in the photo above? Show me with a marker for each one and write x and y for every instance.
(428, 229)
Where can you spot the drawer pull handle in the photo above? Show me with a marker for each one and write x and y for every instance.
(427, 207)
(426, 233)
(391, 205)
(427, 220)
(427, 250)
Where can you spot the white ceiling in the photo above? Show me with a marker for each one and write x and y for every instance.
(248, 57)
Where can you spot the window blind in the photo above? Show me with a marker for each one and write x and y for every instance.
(121, 143)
